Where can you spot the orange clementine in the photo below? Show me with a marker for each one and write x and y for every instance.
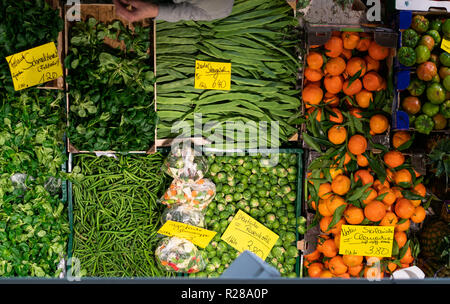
(334, 171)
(407, 258)
(402, 176)
(333, 84)
(364, 175)
(375, 211)
(420, 189)
(350, 40)
(363, 44)
(323, 209)
(397, 191)
(334, 47)
(372, 64)
(355, 112)
(324, 191)
(419, 215)
(335, 66)
(356, 65)
(389, 175)
(400, 238)
(313, 74)
(362, 161)
(390, 219)
(337, 266)
(354, 271)
(315, 269)
(337, 134)
(312, 94)
(372, 81)
(377, 51)
(341, 184)
(324, 224)
(391, 267)
(353, 88)
(334, 202)
(336, 116)
(329, 248)
(313, 256)
(364, 98)
(378, 123)
(318, 113)
(314, 60)
(346, 157)
(331, 99)
(389, 197)
(394, 159)
(353, 215)
(346, 54)
(403, 226)
(377, 185)
(372, 195)
(400, 138)
(352, 260)
(357, 144)
(320, 241)
(403, 208)
(337, 239)
(325, 274)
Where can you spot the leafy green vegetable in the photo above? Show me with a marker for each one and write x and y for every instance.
(110, 89)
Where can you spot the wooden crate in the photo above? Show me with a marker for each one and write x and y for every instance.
(104, 13)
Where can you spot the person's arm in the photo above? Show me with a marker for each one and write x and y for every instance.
(197, 10)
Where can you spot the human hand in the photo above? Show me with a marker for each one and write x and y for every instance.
(139, 10)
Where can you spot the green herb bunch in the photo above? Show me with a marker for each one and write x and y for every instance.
(111, 89)
(24, 25)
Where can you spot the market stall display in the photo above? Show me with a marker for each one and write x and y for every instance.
(263, 63)
(110, 99)
(34, 227)
(422, 50)
(116, 215)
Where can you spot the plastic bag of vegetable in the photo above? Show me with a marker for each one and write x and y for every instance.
(196, 195)
(179, 255)
(184, 214)
(185, 164)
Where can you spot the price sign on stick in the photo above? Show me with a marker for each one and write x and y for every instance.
(198, 236)
(366, 240)
(35, 66)
(212, 75)
(245, 233)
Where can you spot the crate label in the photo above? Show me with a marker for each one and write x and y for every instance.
(366, 240)
(245, 233)
(35, 66)
(212, 75)
(198, 236)
(445, 45)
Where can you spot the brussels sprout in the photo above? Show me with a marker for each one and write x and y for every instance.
(247, 194)
(224, 214)
(228, 198)
(247, 209)
(291, 275)
(253, 189)
(221, 177)
(268, 207)
(275, 224)
(210, 268)
(292, 221)
(283, 220)
(247, 173)
(230, 219)
(237, 196)
(275, 189)
(209, 212)
(226, 189)
(301, 229)
(292, 196)
(201, 274)
(283, 181)
(241, 170)
(231, 183)
(291, 261)
(281, 172)
(278, 202)
(286, 189)
(292, 178)
(224, 223)
(211, 254)
(279, 242)
(281, 212)
(290, 237)
(262, 201)
(254, 212)
(220, 269)
(267, 185)
(290, 208)
(230, 208)
(254, 202)
(277, 252)
(263, 193)
(270, 218)
(301, 220)
(215, 226)
(214, 275)
(221, 247)
(292, 251)
(241, 204)
(292, 171)
(247, 165)
(240, 161)
(240, 188)
(228, 168)
(226, 259)
(215, 168)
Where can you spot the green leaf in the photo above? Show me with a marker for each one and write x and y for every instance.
(411, 196)
(403, 250)
(337, 216)
(355, 195)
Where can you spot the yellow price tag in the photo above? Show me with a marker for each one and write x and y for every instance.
(35, 66)
(245, 233)
(445, 45)
(212, 75)
(366, 240)
(198, 236)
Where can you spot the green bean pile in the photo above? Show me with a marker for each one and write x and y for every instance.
(259, 39)
(116, 215)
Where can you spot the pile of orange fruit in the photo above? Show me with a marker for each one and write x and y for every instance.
(344, 75)
(383, 204)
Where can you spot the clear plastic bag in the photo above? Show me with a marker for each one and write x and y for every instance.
(184, 163)
(184, 214)
(196, 195)
(179, 255)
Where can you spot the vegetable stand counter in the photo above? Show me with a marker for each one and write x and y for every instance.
(110, 83)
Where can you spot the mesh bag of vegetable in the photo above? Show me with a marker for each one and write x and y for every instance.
(179, 255)
(184, 214)
(185, 163)
(196, 195)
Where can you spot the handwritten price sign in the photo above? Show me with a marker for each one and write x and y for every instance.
(212, 75)
(35, 66)
(198, 236)
(367, 240)
(245, 233)
(445, 45)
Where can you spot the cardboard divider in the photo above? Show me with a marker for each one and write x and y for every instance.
(107, 13)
